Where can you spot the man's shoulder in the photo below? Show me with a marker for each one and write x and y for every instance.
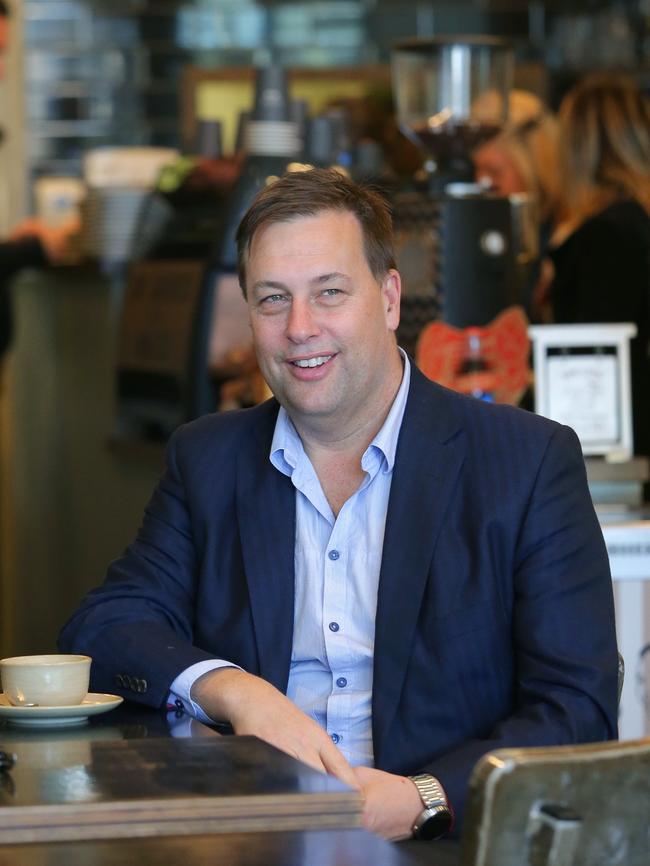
(227, 429)
(465, 413)
(500, 446)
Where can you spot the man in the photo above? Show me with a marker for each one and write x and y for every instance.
(404, 578)
(32, 243)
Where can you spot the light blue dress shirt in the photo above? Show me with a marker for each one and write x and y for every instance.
(337, 564)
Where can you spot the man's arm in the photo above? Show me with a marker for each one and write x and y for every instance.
(253, 706)
(20, 253)
(563, 630)
(55, 243)
(563, 634)
(139, 623)
(139, 626)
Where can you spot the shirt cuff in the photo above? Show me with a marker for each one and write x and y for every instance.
(182, 686)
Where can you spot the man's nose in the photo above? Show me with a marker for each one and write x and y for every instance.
(301, 324)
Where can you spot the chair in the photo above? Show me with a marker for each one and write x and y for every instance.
(621, 675)
(585, 805)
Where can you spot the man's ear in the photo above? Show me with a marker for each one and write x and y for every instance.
(391, 289)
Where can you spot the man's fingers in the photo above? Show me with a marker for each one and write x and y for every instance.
(312, 760)
(255, 707)
(325, 759)
(336, 765)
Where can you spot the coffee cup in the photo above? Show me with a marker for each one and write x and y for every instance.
(45, 680)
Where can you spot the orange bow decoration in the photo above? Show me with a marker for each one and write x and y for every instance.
(492, 360)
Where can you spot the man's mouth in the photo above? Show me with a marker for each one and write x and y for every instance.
(312, 362)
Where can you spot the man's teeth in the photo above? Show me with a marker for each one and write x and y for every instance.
(312, 362)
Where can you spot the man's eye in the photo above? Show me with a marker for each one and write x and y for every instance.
(271, 299)
(331, 293)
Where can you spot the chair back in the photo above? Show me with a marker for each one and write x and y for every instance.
(621, 675)
(585, 805)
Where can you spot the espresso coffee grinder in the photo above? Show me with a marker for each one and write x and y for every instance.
(465, 254)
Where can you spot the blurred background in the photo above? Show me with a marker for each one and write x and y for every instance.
(128, 118)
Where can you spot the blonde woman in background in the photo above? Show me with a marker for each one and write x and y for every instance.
(601, 247)
(523, 159)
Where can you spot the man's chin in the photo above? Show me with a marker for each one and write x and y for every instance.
(315, 407)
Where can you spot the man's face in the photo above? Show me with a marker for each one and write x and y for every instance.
(322, 325)
(4, 36)
(493, 163)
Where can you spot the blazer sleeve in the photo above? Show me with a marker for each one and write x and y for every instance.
(14, 256)
(563, 632)
(138, 626)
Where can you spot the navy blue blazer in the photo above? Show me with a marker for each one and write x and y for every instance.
(495, 623)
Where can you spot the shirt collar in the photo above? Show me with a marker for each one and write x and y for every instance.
(286, 446)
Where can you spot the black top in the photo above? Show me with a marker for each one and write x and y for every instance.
(602, 274)
(14, 256)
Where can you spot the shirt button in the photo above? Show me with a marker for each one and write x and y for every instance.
(334, 626)
(335, 738)
(334, 555)
(341, 682)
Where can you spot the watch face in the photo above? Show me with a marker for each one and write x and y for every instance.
(436, 825)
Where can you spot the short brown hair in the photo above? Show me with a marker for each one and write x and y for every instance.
(308, 193)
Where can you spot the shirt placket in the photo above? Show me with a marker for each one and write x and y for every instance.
(336, 627)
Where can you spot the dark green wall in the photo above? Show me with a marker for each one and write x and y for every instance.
(70, 503)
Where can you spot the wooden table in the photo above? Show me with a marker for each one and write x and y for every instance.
(59, 762)
(306, 848)
(124, 779)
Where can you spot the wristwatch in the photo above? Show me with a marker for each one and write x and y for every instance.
(437, 817)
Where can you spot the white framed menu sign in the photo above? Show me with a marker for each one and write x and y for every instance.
(582, 379)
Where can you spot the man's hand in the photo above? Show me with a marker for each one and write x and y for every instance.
(253, 706)
(392, 803)
(58, 241)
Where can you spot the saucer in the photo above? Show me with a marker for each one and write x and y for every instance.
(48, 717)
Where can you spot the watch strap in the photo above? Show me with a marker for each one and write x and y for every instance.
(436, 807)
(430, 790)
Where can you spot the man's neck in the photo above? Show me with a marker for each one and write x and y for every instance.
(347, 438)
(335, 450)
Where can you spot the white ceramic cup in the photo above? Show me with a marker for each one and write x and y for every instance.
(45, 681)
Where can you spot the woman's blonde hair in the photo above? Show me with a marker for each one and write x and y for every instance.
(604, 145)
(529, 141)
(533, 143)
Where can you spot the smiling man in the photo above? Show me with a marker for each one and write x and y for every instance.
(379, 576)
(324, 329)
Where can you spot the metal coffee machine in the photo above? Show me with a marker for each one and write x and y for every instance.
(465, 254)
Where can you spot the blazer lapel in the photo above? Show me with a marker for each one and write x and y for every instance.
(429, 456)
(266, 513)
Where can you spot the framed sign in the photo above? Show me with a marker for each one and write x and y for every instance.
(582, 379)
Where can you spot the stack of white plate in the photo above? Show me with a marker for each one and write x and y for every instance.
(110, 217)
(119, 194)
